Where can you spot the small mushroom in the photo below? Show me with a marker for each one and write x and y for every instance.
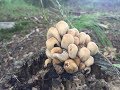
(87, 70)
(71, 31)
(47, 61)
(81, 66)
(89, 62)
(93, 48)
(62, 57)
(72, 51)
(84, 54)
(48, 53)
(70, 66)
(88, 39)
(62, 27)
(67, 40)
(82, 37)
(77, 61)
(51, 42)
(53, 32)
(55, 61)
(76, 41)
(76, 32)
(56, 50)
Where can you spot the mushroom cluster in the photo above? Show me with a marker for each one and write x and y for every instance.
(75, 49)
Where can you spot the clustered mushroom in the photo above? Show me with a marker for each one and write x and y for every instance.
(71, 47)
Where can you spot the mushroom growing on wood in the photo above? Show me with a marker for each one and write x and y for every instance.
(72, 51)
(62, 57)
(84, 54)
(53, 32)
(89, 62)
(51, 42)
(82, 37)
(67, 40)
(70, 66)
(62, 27)
(93, 48)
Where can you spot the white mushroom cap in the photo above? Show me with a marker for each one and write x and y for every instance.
(88, 39)
(84, 54)
(67, 40)
(92, 47)
(53, 32)
(82, 37)
(62, 27)
(51, 42)
(72, 51)
(76, 41)
(62, 57)
(47, 61)
(72, 32)
(89, 62)
(48, 54)
(70, 66)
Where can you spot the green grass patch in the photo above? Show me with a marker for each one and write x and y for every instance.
(90, 21)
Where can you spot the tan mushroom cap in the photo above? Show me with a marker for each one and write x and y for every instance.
(51, 42)
(47, 61)
(72, 51)
(89, 62)
(48, 54)
(72, 32)
(81, 66)
(92, 47)
(76, 41)
(70, 66)
(82, 37)
(62, 27)
(62, 57)
(76, 32)
(88, 39)
(53, 32)
(56, 50)
(84, 54)
(77, 61)
(67, 40)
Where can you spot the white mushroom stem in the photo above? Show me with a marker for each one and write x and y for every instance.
(53, 32)
(89, 62)
(87, 70)
(47, 61)
(51, 42)
(67, 40)
(62, 57)
(93, 48)
(72, 51)
(62, 27)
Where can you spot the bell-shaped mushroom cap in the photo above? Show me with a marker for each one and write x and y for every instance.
(84, 54)
(62, 27)
(48, 54)
(51, 42)
(56, 50)
(72, 32)
(76, 32)
(47, 61)
(93, 48)
(81, 66)
(76, 41)
(89, 62)
(70, 66)
(88, 39)
(53, 32)
(72, 51)
(77, 61)
(62, 57)
(67, 40)
(55, 61)
(82, 37)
